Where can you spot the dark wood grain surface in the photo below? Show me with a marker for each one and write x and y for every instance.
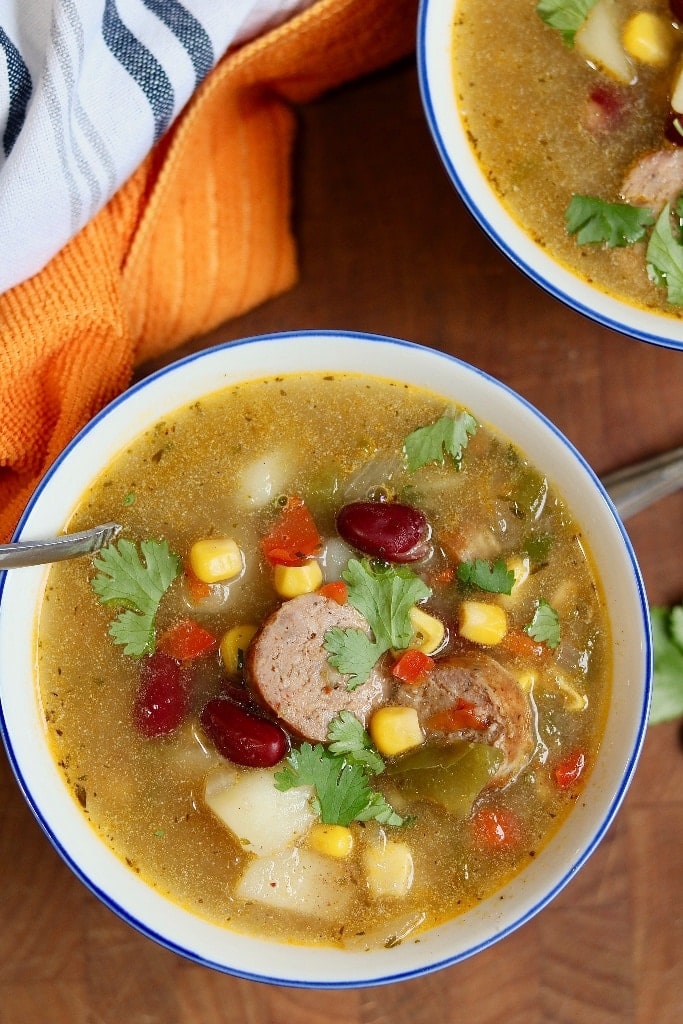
(386, 246)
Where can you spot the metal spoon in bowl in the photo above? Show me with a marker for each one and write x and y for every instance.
(631, 489)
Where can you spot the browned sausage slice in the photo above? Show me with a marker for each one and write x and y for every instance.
(496, 697)
(655, 179)
(288, 668)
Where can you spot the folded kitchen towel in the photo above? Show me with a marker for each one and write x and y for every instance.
(156, 206)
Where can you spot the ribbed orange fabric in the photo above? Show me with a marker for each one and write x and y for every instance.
(199, 233)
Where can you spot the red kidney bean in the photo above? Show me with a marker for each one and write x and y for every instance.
(385, 529)
(242, 737)
(161, 703)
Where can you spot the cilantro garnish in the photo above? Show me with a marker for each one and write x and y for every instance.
(384, 595)
(594, 220)
(124, 579)
(545, 625)
(665, 257)
(340, 775)
(447, 436)
(495, 577)
(667, 639)
(565, 15)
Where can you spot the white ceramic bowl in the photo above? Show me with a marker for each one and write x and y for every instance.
(121, 889)
(435, 68)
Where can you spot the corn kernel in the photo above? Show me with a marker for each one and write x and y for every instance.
(294, 580)
(482, 623)
(394, 729)
(331, 840)
(216, 560)
(428, 631)
(233, 645)
(388, 869)
(648, 38)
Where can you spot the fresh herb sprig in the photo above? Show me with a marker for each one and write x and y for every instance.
(494, 577)
(340, 775)
(545, 625)
(449, 435)
(384, 595)
(135, 581)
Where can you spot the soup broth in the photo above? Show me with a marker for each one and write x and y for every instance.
(493, 534)
(548, 124)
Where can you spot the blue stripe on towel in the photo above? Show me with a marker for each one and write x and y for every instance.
(141, 65)
(190, 32)
(20, 89)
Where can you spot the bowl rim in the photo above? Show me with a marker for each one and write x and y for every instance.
(434, 25)
(361, 978)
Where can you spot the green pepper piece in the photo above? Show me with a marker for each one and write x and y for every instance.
(452, 776)
(529, 494)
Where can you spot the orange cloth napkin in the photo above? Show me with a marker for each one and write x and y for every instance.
(199, 233)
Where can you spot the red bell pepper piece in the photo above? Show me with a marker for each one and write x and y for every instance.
(293, 537)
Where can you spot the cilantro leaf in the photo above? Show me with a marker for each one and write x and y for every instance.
(665, 258)
(447, 436)
(352, 653)
(593, 220)
(565, 15)
(136, 584)
(348, 737)
(495, 578)
(667, 640)
(545, 625)
(342, 789)
(384, 595)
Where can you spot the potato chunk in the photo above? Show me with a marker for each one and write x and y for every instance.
(297, 880)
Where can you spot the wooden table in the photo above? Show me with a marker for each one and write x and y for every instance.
(386, 246)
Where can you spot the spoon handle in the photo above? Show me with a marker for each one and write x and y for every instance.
(37, 552)
(635, 487)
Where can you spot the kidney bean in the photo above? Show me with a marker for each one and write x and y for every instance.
(161, 702)
(241, 736)
(385, 529)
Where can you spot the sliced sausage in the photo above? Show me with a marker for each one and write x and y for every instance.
(289, 672)
(496, 699)
(655, 179)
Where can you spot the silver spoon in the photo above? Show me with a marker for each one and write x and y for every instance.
(70, 545)
(631, 489)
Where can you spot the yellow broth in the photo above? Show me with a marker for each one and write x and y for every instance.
(522, 95)
(180, 481)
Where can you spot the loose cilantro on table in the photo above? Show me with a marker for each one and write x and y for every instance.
(594, 220)
(667, 638)
(565, 15)
(495, 577)
(340, 775)
(665, 255)
(449, 435)
(137, 584)
(384, 595)
(545, 625)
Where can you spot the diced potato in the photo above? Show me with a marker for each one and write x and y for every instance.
(429, 632)
(266, 478)
(331, 840)
(233, 646)
(389, 869)
(482, 622)
(395, 729)
(294, 580)
(298, 880)
(599, 40)
(649, 38)
(262, 818)
(215, 560)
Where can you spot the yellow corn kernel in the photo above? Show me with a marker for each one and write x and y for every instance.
(294, 580)
(428, 631)
(216, 560)
(649, 38)
(482, 623)
(394, 729)
(388, 869)
(233, 646)
(331, 840)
